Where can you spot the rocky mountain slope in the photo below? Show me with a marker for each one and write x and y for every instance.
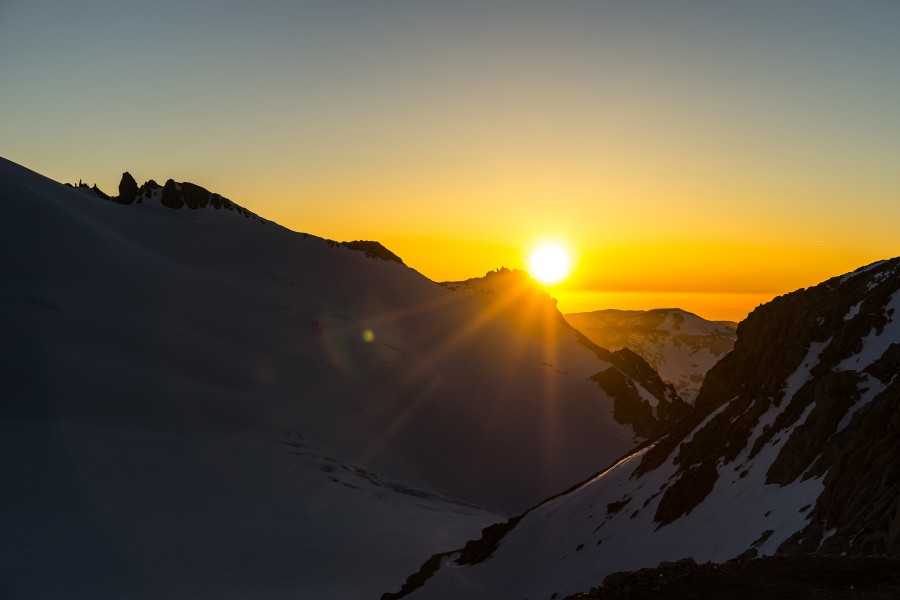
(792, 447)
(679, 345)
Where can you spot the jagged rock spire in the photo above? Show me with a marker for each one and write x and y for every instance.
(128, 189)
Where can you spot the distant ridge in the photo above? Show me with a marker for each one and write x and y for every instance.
(680, 345)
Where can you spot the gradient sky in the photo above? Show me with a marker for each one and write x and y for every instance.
(705, 154)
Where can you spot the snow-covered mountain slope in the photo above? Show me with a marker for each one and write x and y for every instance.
(794, 445)
(156, 350)
(149, 364)
(110, 513)
(204, 320)
(678, 344)
(176, 314)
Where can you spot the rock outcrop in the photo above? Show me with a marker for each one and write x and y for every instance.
(171, 195)
(373, 249)
(817, 359)
(128, 189)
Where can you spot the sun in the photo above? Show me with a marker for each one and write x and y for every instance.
(549, 263)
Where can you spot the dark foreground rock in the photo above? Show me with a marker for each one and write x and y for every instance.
(799, 576)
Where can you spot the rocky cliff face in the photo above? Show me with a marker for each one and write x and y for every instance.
(793, 446)
(679, 345)
(813, 372)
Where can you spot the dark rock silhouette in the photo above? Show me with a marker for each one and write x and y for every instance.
(170, 196)
(185, 194)
(128, 189)
(85, 187)
(373, 250)
(100, 192)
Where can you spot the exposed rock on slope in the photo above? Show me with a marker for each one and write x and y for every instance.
(171, 195)
(642, 399)
(373, 250)
(85, 187)
(185, 194)
(679, 345)
(128, 189)
(793, 447)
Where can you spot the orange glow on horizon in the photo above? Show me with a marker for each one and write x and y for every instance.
(716, 280)
(681, 150)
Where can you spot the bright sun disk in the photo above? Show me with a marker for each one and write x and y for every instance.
(549, 263)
